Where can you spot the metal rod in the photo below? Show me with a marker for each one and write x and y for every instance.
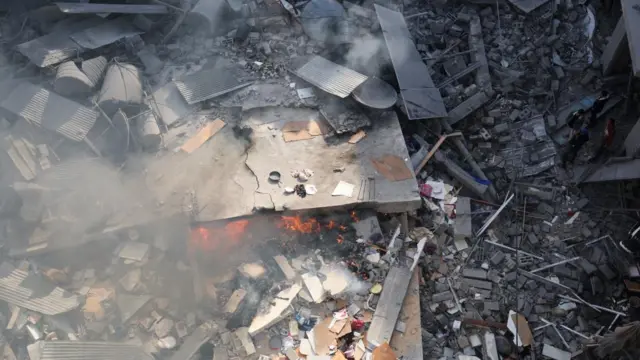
(575, 332)
(514, 250)
(455, 297)
(593, 305)
(494, 216)
(557, 332)
(588, 243)
(555, 264)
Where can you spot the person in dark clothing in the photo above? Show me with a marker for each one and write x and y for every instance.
(576, 119)
(607, 139)
(597, 107)
(576, 142)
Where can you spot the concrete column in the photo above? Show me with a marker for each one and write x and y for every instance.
(616, 53)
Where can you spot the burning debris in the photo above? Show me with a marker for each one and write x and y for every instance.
(387, 187)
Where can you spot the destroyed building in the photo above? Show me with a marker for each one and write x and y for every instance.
(257, 179)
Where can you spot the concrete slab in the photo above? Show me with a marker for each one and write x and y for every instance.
(234, 182)
(408, 344)
(632, 24)
(616, 53)
(528, 5)
(632, 141)
(463, 227)
(626, 170)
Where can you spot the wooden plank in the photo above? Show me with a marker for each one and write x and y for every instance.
(234, 301)
(284, 265)
(408, 344)
(314, 286)
(277, 310)
(243, 335)
(202, 136)
(389, 306)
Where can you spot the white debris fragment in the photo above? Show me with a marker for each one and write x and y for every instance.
(343, 189)
(305, 93)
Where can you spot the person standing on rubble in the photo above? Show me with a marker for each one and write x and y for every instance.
(607, 140)
(597, 107)
(577, 140)
(576, 118)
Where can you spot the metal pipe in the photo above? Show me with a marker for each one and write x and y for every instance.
(593, 305)
(514, 250)
(468, 158)
(555, 264)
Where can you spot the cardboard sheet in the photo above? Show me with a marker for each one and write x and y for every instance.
(392, 167)
(202, 136)
(303, 130)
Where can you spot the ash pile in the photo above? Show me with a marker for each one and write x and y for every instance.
(447, 122)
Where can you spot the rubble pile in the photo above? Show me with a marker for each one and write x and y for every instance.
(179, 177)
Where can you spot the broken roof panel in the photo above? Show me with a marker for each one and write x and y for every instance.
(207, 84)
(105, 33)
(88, 8)
(528, 5)
(50, 111)
(423, 103)
(33, 292)
(614, 171)
(57, 46)
(421, 97)
(330, 77)
(82, 350)
(168, 103)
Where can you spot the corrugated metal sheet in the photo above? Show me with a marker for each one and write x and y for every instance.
(94, 350)
(207, 84)
(50, 111)
(88, 8)
(70, 80)
(33, 292)
(94, 69)
(105, 33)
(57, 46)
(330, 77)
(121, 88)
(422, 98)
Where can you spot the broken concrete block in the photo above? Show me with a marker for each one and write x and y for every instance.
(497, 258)
(314, 286)
(490, 347)
(488, 121)
(515, 114)
(555, 353)
(479, 284)
(582, 203)
(443, 296)
(588, 267)
(491, 306)
(545, 208)
(501, 128)
(495, 113)
(475, 274)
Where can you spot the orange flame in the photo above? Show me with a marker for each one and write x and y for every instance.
(295, 223)
(354, 216)
(209, 239)
(339, 239)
